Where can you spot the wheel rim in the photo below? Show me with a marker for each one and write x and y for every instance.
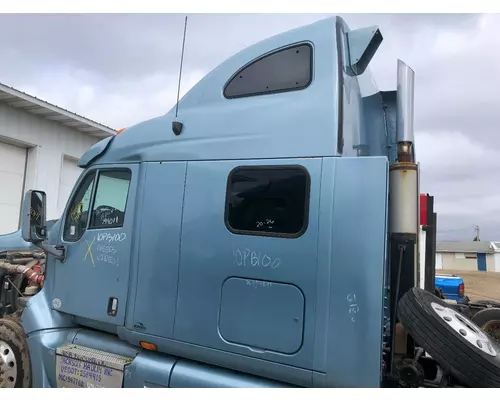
(8, 366)
(465, 328)
(493, 329)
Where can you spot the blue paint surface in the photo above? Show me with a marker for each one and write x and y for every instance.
(99, 260)
(180, 283)
(481, 262)
(450, 284)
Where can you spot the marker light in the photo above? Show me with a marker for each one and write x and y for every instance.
(148, 346)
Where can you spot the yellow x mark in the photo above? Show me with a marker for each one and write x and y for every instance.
(89, 251)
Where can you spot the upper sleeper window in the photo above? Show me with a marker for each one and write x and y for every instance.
(268, 201)
(281, 71)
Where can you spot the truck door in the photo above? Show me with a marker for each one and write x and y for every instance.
(97, 223)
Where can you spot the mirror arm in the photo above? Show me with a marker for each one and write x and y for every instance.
(59, 252)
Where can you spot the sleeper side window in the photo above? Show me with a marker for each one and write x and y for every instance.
(110, 201)
(77, 215)
(282, 71)
(268, 201)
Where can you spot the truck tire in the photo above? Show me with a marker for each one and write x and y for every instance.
(15, 366)
(461, 348)
(488, 320)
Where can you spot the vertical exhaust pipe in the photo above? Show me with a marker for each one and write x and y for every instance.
(405, 112)
(404, 191)
(403, 205)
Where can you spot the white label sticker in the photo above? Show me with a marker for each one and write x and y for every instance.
(56, 303)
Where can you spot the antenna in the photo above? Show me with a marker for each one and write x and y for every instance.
(180, 68)
(176, 125)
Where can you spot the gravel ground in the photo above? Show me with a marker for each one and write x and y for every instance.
(479, 285)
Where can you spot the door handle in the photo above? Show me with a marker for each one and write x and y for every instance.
(112, 306)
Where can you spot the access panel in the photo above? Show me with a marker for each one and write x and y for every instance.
(262, 315)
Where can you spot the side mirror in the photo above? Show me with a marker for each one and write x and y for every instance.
(33, 221)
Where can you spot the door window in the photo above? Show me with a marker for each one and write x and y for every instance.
(77, 216)
(98, 203)
(110, 200)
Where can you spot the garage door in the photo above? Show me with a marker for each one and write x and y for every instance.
(69, 175)
(12, 169)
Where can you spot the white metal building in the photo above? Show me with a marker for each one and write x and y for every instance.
(40, 145)
(468, 256)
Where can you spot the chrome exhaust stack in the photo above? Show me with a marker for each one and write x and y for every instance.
(404, 185)
(403, 200)
(405, 136)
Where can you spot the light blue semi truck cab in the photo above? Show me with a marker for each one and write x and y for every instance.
(249, 241)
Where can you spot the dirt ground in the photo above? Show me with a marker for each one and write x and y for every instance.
(479, 285)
